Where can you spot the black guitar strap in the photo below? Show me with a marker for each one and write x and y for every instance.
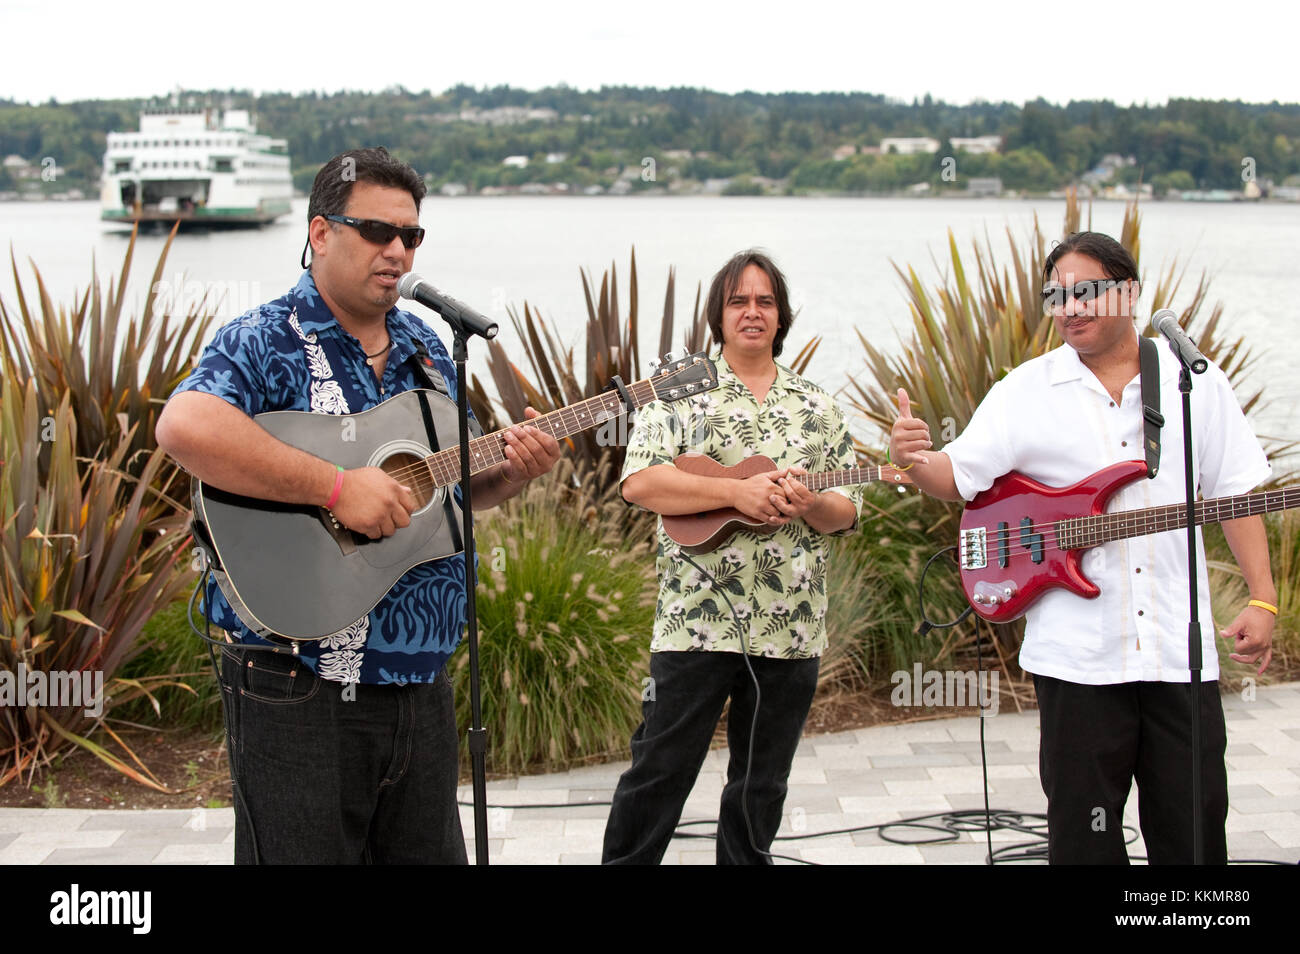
(1152, 419)
(428, 372)
(425, 369)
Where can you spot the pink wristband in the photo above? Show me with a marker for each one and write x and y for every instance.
(338, 486)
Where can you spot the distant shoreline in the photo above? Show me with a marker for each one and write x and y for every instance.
(1230, 198)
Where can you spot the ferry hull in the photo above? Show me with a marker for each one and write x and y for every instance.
(200, 218)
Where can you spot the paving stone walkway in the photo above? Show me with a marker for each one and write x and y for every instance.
(843, 780)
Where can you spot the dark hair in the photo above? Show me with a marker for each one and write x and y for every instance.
(725, 282)
(333, 186)
(1113, 258)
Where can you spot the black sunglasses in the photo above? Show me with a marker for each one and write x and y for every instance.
(381, 233)
(1054, 296)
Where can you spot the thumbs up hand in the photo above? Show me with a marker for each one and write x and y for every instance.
(909, 436)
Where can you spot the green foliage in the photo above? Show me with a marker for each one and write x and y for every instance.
(1177, 181)
(191, 698)
(871, 616)
(451, 137)
(88, 552)
(743, 185)
(93, 533)
(565, 608)
(1229, 594)
(116, 369)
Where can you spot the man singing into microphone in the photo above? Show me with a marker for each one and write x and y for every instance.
(347, 752)
(1111, 674)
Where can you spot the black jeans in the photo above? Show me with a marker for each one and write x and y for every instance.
(330, 774)
(1095, 740)
(686, 695)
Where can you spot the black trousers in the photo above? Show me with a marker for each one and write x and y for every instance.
(684, 702)
(323, 775)
(1096, 740)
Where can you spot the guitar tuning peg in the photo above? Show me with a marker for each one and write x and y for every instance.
(654, 365)
(677, 355)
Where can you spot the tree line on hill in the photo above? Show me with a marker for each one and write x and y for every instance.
(760, 142)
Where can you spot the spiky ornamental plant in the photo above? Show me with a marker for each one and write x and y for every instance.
(117, 368)
(565, 606)
(87, 554)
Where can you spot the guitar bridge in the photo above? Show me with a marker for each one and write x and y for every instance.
(972, 551)
(341, 535)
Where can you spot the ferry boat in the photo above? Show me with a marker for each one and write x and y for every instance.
(199, 166)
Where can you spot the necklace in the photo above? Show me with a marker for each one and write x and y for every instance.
(384, 350)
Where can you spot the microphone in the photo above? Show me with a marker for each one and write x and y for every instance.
(1166, 322)
(458, 314)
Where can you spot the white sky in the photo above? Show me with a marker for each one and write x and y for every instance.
(1124, 50)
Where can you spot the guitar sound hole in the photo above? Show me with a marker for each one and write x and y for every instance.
(411, 471)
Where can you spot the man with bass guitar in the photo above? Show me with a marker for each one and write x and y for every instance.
(1111, 673)
(344, 749)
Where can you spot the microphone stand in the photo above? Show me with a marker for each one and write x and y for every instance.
(477, 735)
(1194, 659)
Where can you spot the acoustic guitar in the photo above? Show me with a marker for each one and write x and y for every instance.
(293, 570)
(706, 531)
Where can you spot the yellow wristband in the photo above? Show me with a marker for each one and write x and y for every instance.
(1264, 606)
(901, 470)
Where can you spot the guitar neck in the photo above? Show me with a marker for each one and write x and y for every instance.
(1079, 532)
(489, 450)
(840, 478)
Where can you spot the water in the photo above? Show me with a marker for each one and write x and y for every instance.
(837, 253)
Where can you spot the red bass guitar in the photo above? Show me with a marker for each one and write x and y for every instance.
(706, 531)
(1020, 538)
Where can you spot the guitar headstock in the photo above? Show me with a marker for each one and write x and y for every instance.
(679, 375)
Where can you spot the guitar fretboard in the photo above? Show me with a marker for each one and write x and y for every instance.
(839, 478)
(489, 450)
(1079, 532)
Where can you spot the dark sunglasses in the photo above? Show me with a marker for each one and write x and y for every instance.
(381, 233)
(1054, 296)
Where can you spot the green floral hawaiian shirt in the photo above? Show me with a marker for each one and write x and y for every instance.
(777, 581)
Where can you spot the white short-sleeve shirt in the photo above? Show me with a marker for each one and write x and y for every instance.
(1052, 420)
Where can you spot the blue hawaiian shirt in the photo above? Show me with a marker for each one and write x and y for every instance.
(292, 355)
